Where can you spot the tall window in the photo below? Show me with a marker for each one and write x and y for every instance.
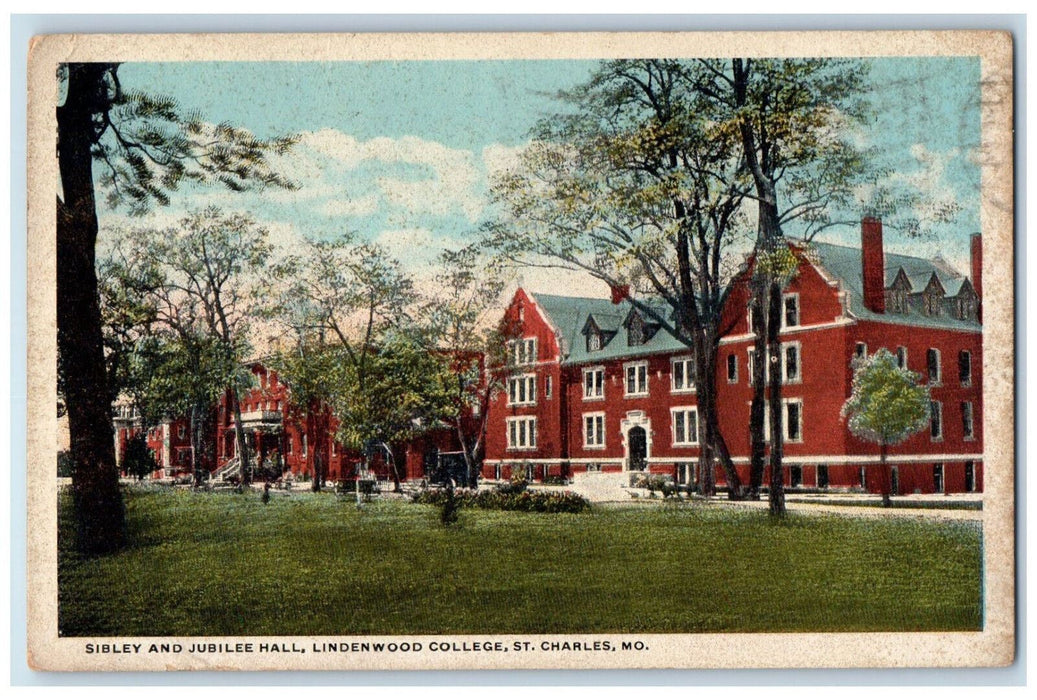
(938, 478)
(732, 368)
(522, 390)
(305, 445)
(902, 357)
(685, 426)
(791, 303)
(594, 383)
(967, 423)
(524, 351)
(965, 367)
(593, 341)
(794, 420)
(792, 425)
(594, 430)
(932, 364)
(860, 351)
(791, 363)
(822, 476)
(522, 433)
(936, 420)
(547, 387)
(682, 374)
(970, 476)
(637, 379)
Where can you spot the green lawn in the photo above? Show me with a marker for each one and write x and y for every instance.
(226, 564)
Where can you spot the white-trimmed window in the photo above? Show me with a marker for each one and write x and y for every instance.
(636, 374)
(791, 363)
(181, 431)
(968, 423)
(793, 424)
(522, 433)
(594, 430)
(790, 310)
(936, 420)
(523, 352)
(792, 420)
(685, 426)
(902, 357)
(860, 351)
(732, 368)
(682, 374)
(305, 445)
(548, 386)
(522, 390)
(593, 383)
(932, 365)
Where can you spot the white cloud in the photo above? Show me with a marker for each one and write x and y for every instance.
(359, 206)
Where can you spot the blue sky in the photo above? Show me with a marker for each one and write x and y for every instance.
(401, 152)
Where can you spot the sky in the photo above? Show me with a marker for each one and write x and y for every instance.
(402, 152)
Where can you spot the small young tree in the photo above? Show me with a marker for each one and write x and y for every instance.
(886, 407)
(139, 460)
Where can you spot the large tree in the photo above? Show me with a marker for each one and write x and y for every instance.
(791, 116)
(345, 302)
(639, 180)
(887, 406)
(146, 148)
(471, 348)
(213, 271)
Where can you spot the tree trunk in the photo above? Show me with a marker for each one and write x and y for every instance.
(758, 443)
(194, 432)
(711, 438)
(777, 484)
(239, 438)
(886, 485)
(100, 518)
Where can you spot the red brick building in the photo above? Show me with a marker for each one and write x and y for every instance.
(279, 434)
(598, 387)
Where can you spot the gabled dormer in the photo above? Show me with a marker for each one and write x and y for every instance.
(639, 331)
(932, 296)
(596, 336)
(897, 293)
(963, 303)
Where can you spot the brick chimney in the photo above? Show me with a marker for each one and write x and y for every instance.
(619, 293)
(873, 265)
(977, 269)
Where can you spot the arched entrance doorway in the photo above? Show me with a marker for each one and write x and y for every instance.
(637, 449)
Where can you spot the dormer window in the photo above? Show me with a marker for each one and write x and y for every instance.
(930, 304)
(897, 294)
(593, 341)
(636, 331)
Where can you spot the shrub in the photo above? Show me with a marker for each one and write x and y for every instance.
(556, 480)
(448, 511)
(64, 463)
(516, 484)
(526, 501)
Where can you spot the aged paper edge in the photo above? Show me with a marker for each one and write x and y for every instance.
(994, 646)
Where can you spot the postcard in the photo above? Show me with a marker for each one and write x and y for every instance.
(521, 351)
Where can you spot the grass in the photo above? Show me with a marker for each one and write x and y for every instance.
(226, 564)
(896, 503)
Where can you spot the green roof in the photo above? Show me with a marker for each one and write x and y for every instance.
(844, 264)
(569, 315)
